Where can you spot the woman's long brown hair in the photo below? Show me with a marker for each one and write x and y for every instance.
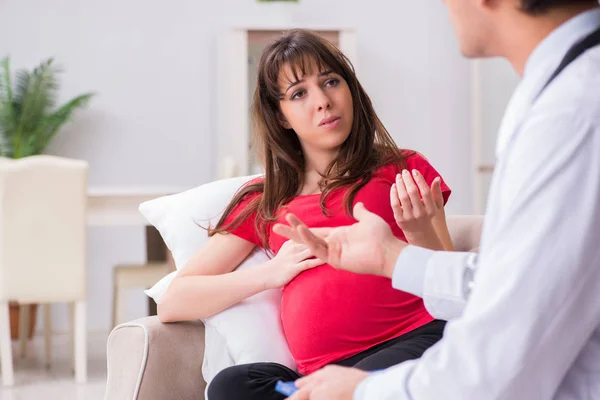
(368, 147)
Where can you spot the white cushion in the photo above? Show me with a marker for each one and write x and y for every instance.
(248, 332)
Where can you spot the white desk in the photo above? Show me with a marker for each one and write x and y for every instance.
(119, 207)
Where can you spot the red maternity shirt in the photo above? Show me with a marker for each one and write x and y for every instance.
(328, 314)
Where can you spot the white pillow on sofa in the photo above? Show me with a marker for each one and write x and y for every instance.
(248, 332)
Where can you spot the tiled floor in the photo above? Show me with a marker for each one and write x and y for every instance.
(34, 382)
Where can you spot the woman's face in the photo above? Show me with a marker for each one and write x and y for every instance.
(318, 107)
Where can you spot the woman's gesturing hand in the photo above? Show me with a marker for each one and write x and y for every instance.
(415, 205)
(414, 202)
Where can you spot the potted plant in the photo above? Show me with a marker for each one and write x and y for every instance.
(29, 120)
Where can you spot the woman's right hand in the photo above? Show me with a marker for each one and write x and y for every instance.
(292, 259)
(414, 203)
(415, 207)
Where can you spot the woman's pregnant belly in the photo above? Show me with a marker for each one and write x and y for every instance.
(329, 315)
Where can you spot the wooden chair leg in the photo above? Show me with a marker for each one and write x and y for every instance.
(24, 317)
(6, 360)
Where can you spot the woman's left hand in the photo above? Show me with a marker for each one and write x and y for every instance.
(414, 203)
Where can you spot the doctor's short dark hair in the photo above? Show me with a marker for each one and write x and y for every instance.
(537, 7)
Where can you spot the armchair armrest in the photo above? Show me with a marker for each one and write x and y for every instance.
(149, 360)
(465, 231)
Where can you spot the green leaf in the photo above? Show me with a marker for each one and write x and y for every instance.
(50, 124)
(27, 122)
(37, 93)
(8, 122)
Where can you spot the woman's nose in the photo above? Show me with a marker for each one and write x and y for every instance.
(323, 102)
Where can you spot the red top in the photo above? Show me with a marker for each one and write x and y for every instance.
(329, 314)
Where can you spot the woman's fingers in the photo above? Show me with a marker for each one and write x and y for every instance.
(299, 247)
(405, 202)
(436, 189)
(413, 194)
(304, 254)
(308, 264)
(426, 195)
(396, 206)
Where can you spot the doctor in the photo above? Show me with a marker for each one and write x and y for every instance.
(524, 317)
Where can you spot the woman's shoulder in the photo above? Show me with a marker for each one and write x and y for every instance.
(414, 159)
(245, 194)
(411, 160)
(253, 181)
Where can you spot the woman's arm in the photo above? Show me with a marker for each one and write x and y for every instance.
(441, 229)
(209, 283)
(428, 239)
(435, 237)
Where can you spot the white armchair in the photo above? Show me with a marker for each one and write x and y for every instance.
(148, 360)
(42, 246)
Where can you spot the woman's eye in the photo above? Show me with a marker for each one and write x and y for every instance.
(333, 82)
(298, 94)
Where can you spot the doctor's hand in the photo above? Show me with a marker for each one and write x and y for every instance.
(330, 383)
(366, 247)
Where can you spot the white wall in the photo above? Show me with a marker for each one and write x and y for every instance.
(498, 82)
(152, 64)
